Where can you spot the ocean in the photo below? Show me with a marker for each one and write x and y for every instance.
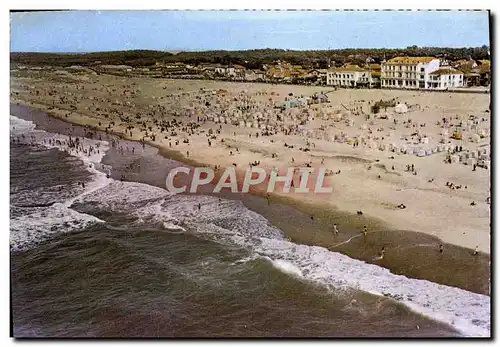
(100, 249)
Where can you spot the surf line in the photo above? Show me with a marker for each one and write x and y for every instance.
(349, 240)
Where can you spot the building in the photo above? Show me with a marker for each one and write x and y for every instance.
(238, 72)
(408, 72)
(348, 76)
(376, 72)
(318, 75)
(484, 72)
(255, 75)
(475, 75)
(114, 68)
(445, 78)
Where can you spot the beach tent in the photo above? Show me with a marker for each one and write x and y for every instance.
(421, 153)
(475, 138)
(482, 133)
(401, 108)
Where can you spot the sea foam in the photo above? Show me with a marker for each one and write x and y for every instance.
(37, 224)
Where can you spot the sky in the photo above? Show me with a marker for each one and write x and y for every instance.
(91, 31)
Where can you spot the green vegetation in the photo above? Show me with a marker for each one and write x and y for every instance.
(133, 58)
(252, 59)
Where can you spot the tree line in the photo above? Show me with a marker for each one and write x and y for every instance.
(252, 59)
(134, 58)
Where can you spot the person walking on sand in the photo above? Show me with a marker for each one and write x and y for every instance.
(476, 250)
(268, 197)
(441, 249)
(365, 230)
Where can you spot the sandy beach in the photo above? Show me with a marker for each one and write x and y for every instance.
(342, 136)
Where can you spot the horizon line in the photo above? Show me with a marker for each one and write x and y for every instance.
(177, 51)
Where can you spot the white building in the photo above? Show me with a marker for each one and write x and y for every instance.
(408, 72)
(445, 78)
(348, 76)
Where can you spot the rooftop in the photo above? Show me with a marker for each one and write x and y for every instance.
(349, 68)
(410, 60)
(447, 71)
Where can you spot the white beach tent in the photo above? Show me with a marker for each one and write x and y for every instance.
(475, 138)
(401, 108)
(421, 153)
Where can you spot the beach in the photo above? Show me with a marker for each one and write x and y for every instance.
(367, 181)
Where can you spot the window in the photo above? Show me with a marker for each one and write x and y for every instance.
(422, 69)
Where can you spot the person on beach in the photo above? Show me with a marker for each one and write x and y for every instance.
(268, 197)
(365, 230)
(441, 249)
(381, 254)
(335, 230)
(199, 206)
(476, 250)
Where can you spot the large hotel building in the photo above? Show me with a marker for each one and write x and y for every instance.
(408, 72)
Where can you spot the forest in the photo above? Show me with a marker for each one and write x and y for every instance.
(133, 58)
(252, 59)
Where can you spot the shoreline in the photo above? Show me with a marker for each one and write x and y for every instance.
(299, 228)
(367, 182)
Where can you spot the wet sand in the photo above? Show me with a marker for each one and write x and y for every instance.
(408, 253)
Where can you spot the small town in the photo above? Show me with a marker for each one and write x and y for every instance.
(422, 73)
